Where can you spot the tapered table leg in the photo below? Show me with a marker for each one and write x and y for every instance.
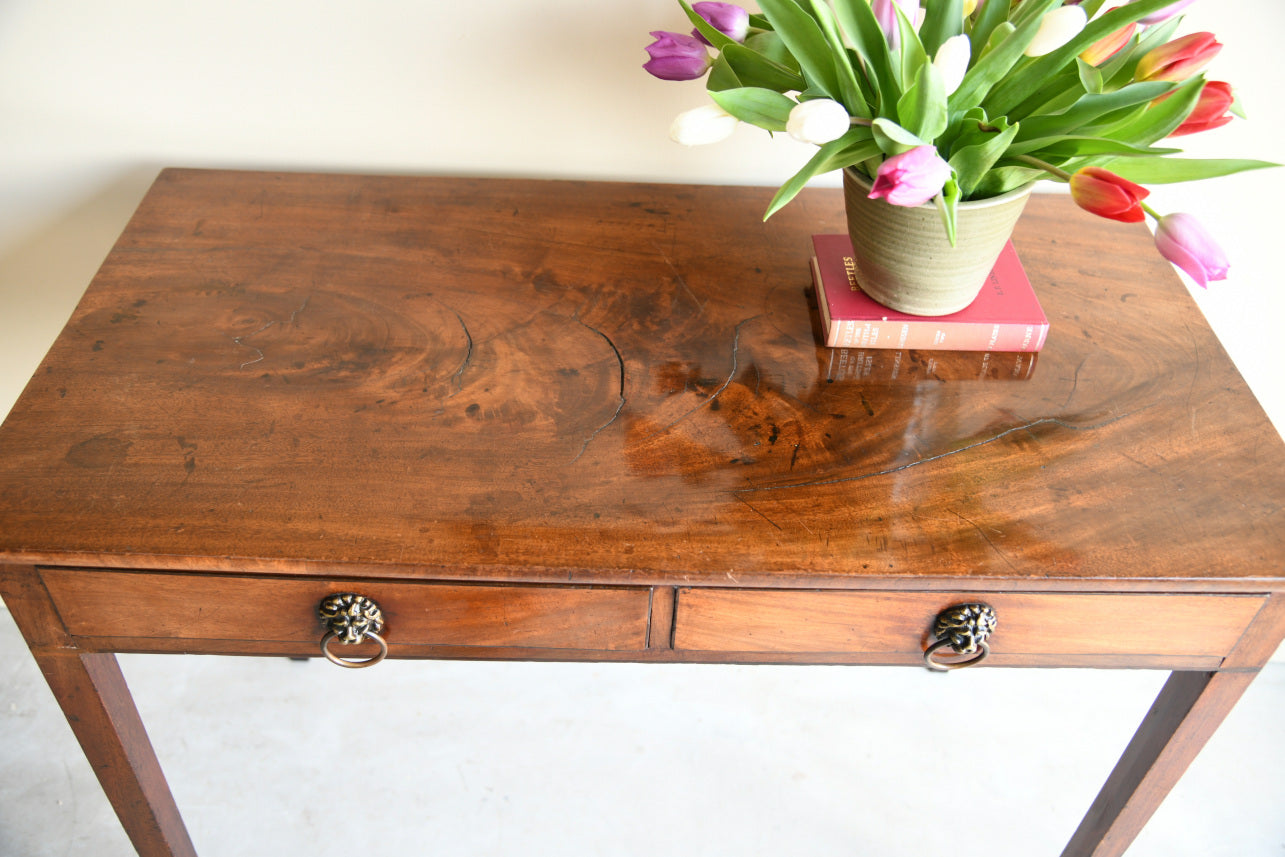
(93, 695)
(1188, 710)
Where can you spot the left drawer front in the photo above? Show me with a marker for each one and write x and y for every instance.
(200, 607)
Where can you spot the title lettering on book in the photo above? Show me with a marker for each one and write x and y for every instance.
(850, 269)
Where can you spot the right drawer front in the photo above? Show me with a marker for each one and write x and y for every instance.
(900, 623)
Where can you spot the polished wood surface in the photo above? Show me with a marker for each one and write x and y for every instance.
(610, 383)
(578, 421)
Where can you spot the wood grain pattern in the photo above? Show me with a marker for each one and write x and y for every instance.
(610, 383)
(1051, 624)
(187, 607)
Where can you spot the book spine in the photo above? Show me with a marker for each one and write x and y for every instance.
(878, 364)
(936, 335)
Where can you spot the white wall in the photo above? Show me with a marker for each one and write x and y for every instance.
(96, 96)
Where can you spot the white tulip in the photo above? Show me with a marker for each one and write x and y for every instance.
(818, 121)
(702, 125)
(1058, 27)
(952, 61)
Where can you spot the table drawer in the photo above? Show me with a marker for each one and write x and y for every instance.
(900, 623)
(200, 607)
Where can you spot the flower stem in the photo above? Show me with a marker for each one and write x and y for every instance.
(1043, 165)
(1149, 210)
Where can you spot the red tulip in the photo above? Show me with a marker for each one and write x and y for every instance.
(1107, 195)
(1182, 240)
(1179, 59)
(1210, 111)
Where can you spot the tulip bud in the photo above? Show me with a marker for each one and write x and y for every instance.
(1105, 48)
(952, 61)
(886, 14)
(911, 178)
(1165, 14)
(1058, 27)
(818, 121)
(729, 19)
(1179, 59)
(1216, 99)
(1183, 241)
(707, 124)
(1108, 195)
(675, 56)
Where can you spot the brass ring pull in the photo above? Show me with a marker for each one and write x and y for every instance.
(964, 628)
(350, 619)
(369, 662)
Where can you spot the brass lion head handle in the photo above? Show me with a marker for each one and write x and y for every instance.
(350, 619)
(964, 628)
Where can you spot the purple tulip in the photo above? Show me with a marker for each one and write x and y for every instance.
(728, 18)
(911, 178)
(1182, 240)
(675, 56)
(1165, 13)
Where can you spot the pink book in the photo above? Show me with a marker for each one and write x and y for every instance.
(1005, 317)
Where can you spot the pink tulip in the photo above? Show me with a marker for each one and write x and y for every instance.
(1165, 13)
(1182, 240)
(886, 14)
(676, 56)
(728, 18)
(911, 178)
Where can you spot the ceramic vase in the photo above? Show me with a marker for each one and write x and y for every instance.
(904, 259)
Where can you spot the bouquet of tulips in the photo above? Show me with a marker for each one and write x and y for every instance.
(952, 100)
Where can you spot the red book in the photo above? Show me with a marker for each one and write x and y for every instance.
(1005, 317)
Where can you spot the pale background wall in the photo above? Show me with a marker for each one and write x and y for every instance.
(95, 97)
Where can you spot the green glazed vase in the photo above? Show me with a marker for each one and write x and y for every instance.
(904, 260)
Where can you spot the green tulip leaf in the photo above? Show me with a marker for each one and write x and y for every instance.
(1002, 179)
(859, 26)
(1092, 108)
(852, 148)
(1016, 89)
(722, 77)
(1168, 170)
(1160, 119)
(987, 18)
(893, 139)
(754, 69)
(1071, 146)
(765, 108)
(947, 203)
(922, 109)
(803, 36)
(768, 43)
(913, 55)
(995, 65)
(977, 150)
(943, 19)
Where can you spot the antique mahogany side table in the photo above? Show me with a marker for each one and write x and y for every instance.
(591, 422)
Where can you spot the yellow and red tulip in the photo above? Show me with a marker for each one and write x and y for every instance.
(1105, 48)
(1179, 59)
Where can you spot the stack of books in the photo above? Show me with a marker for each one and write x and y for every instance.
(996, 336)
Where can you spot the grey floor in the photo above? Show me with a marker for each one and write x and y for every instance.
(283, 758)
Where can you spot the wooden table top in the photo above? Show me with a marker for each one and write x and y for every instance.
(613, 383)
